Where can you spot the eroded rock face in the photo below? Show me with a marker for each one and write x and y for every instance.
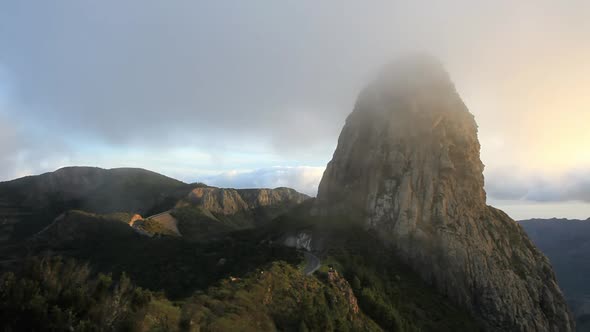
(231, 201)
(407, 163)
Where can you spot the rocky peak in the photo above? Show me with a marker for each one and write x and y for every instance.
(407, 164)
(403, 127)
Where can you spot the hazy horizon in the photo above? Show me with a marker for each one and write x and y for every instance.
(255, 95)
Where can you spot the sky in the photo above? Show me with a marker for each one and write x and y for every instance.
(254, 93)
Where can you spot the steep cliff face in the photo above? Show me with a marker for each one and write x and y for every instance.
(207, 211)
(408, 165)
(231, 201)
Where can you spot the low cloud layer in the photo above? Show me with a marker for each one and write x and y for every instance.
(521, 196)
(500, 185)
(573, 185)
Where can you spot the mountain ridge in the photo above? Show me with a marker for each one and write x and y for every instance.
(566, 242)
(29, 204)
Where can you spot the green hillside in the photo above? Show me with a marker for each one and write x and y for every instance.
(388, 294)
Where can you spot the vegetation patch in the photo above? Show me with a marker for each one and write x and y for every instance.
(50, 294)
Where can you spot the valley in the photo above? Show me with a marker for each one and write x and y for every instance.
(566, 243)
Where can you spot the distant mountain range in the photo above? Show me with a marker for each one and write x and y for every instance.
(566, 242)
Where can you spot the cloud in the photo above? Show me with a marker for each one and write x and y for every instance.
(304, 179)
(515, 184)
(8, 147)
(164, 74)
(501, 185)
(26, 147)
(521, 210)
(278, 75)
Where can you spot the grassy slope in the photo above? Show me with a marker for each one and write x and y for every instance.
(155, 227)
(196, 223)
(281, 298)
(388, 292)
(64, 295)
(174, 265)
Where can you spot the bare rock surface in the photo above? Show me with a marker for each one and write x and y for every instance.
(408, 165)
(227, 201)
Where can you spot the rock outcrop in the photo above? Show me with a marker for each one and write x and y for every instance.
(338, 282)
(408, 165)
(205, 212)
(231, 201)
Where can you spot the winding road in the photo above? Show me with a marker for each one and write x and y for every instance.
(313, 263)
